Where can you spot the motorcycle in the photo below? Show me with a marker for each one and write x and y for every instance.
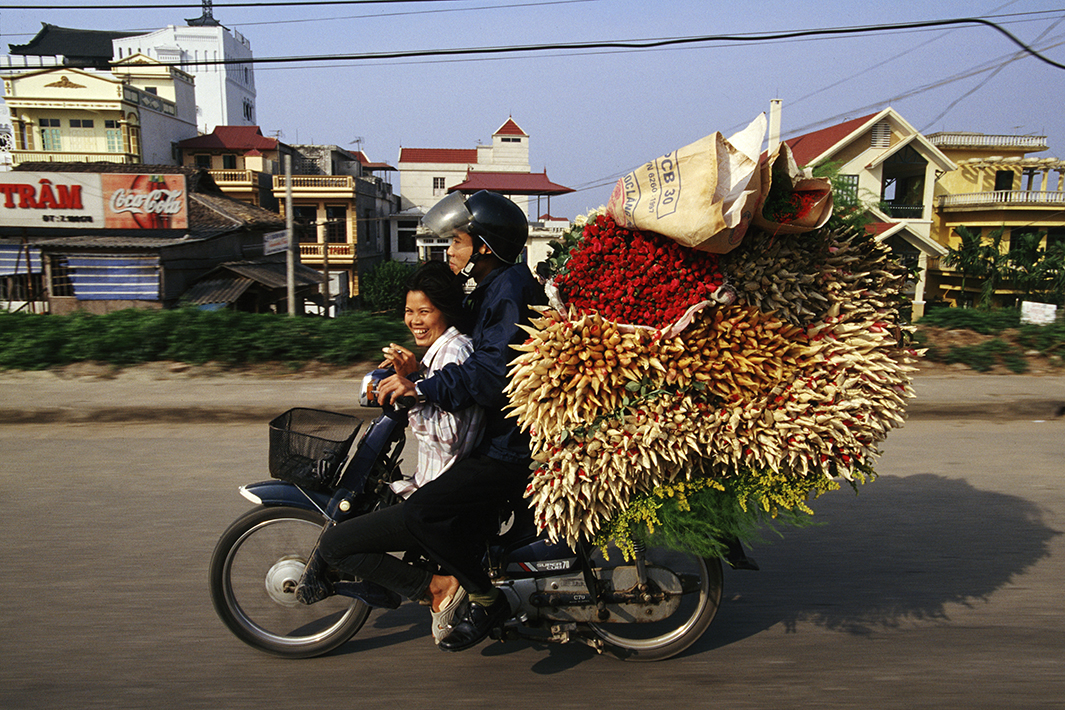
(649, 608)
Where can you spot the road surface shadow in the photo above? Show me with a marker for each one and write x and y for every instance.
(902, 551)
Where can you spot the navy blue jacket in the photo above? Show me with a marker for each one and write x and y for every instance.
(499, 304)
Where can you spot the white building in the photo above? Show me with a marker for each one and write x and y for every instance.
(425, 174)
(225, 93)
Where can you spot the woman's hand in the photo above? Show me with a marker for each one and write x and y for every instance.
(392, 388)
(400, 359)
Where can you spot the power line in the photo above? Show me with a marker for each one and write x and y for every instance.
(633, 44)
(196, 5)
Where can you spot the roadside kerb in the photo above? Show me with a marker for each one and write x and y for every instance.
(37, 398)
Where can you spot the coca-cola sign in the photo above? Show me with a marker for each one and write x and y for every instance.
(145, 201)
(93, 200)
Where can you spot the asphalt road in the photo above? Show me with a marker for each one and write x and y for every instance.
(938, 586)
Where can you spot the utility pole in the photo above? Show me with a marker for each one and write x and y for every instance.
(290, 261)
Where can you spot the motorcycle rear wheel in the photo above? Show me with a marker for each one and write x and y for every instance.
(254, 570)
(702, 580)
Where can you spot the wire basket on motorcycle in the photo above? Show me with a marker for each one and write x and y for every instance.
(308, 446)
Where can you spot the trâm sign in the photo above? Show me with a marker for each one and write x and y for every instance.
(93, 200)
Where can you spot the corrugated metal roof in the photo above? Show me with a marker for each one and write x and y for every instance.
(221, 290)
(96, 241)
(271, 273)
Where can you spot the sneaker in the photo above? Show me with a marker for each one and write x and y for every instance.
(475, 624)
(445, 618)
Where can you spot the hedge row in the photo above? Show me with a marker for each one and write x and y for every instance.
(127, 337)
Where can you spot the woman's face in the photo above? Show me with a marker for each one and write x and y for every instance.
(425, 321)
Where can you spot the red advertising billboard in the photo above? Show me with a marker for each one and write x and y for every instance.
(93, 200)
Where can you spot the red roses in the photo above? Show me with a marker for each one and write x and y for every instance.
(630, 276)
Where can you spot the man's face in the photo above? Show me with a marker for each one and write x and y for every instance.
(460, 251)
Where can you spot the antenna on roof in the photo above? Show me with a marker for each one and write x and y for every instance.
(357, 141)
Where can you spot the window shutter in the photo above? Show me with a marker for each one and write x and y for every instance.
(881, 136)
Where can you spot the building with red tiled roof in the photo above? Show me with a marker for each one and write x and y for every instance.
(427, 174)
(892, 169)
(241, 160)
(232, 138)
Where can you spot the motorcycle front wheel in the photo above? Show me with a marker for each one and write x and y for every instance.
(254, 571)
(701, 580)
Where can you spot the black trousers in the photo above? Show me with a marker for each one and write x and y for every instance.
(359, 547)
(454, 516)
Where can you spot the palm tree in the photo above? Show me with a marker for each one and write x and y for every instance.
(995, 265)
(967, 259)
(1052, 270)
(1026, 261)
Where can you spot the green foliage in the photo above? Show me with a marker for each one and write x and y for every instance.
(986, 355)
(555, 262)
(989, 322)
(696, 515)
(383, 288)
(126, 337)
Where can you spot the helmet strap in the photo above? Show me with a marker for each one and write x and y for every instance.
(467, 271)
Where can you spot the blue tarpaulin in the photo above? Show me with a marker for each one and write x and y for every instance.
(15, 260)
(115, 278)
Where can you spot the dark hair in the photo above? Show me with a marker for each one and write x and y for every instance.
(444, 291)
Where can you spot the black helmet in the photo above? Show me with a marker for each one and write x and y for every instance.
(486, 216)
(499, 223)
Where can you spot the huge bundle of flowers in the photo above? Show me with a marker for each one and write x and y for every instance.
(690, 397)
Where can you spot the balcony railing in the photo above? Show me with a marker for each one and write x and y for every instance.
(978, 140)
(68, 156)
(317, 182)
(339, 251)
(1002, 198)
(234, 177)
(905, 211)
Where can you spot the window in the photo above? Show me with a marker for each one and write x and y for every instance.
(304, 227)
(114, 140)
(62, 285)
(438, 186)
(229, 162)
(249, 111)
(407, 230)
(151, 90)
(1003, 180)
(847, 185)
(50, 139)
(81, 123)
(336, 226)
(511, 139)
(203, 161)
(110, 124)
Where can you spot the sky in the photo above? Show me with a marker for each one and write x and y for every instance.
(594, 115)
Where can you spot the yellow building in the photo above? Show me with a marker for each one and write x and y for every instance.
(341, 211)
(134, 113)
(996, 185)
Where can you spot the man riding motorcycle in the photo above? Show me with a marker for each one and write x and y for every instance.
(454, 515)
